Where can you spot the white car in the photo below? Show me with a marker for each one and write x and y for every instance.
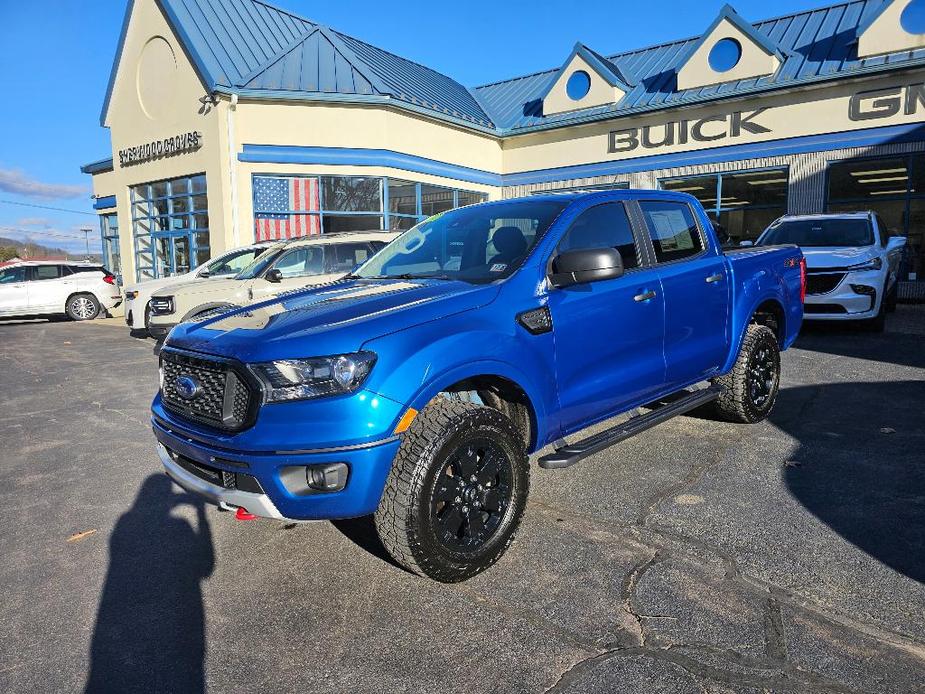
(285, 266)
(80, 290)
(138, 295)
(852, 264)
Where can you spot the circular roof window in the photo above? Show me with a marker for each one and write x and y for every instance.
(578, 85)
(912, 19)
(725, 55)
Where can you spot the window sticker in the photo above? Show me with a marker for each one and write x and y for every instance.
(499, 267)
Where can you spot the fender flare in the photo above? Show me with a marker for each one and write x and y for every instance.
(500, 369)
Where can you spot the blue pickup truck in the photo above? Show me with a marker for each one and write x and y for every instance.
(416, 388)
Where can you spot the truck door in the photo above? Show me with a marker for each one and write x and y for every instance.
(695, 281)
(608, 334)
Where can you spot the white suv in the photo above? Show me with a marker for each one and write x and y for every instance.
(80, 290)
(852, 264)
(138, 295)
(283, 267)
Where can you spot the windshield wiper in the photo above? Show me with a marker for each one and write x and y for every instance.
(407, 276)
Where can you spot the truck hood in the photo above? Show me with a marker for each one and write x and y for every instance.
(328, 319)
(827, 257)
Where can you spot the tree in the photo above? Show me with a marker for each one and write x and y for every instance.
(7, 253)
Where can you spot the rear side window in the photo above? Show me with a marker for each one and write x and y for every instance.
(87, 268)
(47, 272)
(343, 257)
(673, 230)
(603, 226)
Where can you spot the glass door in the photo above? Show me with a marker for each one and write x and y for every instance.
(173, 254)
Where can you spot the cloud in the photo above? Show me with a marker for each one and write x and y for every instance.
(17, 182)
(35, 222)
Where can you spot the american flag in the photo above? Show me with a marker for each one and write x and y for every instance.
(276, 198)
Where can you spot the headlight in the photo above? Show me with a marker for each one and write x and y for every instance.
(872, 264)
(161, 305)
(129, 295)
(303, 379)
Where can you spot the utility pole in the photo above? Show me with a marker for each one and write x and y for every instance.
(86, 231)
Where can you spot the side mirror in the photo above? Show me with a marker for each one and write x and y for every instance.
(746, 244)
(895, 243)
(589, 265)
(204, 274)
(275, 276)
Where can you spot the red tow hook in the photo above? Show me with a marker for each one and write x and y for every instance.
(243, 514)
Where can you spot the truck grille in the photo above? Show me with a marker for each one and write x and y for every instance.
(206, 391)
(823, 283)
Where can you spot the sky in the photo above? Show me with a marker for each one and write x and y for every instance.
(56, 56)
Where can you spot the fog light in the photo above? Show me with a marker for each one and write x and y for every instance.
(863, 289)
(330, 477)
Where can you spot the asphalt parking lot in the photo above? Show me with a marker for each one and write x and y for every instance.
(697, 557)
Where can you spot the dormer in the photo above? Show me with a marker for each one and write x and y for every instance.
(896, 26)
(730, 50)
(585, 80)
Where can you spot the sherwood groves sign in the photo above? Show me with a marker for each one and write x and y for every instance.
(863, 106)
(168, 147)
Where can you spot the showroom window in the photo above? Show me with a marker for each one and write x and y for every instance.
(743, 203)
(894, 188)
(170, 225)
(109, 230)
(294, 206)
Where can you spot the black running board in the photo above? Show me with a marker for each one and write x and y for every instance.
(572, 453)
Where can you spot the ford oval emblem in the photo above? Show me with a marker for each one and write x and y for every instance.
(187, 387)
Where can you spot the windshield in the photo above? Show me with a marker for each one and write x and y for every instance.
(481, 243)
(261, 262)
(820, 233)
(232, 263)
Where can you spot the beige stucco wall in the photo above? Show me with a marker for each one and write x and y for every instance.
(600, 93)
(886, 35)
(790, 114)
(754, 62)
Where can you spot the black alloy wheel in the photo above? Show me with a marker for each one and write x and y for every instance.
(762, 375)
(471, 494)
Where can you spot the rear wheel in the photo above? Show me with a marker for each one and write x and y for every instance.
(750, 389)
(82, 307)
(456, 492)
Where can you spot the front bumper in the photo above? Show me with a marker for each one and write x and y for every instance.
(159, 330)
(368, 464)
(843, 302)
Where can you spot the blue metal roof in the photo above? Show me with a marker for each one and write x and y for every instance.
(814, 45)
(257, 50)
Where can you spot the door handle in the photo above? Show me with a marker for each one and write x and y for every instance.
(645, 296)
(718, 277)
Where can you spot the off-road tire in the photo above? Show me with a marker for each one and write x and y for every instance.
(83, 306)
(405, 522)
(736, 403)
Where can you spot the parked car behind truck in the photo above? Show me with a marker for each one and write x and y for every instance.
(280, 268)
(81, 291)
(416, 388)
(138, 295)
(852, 264)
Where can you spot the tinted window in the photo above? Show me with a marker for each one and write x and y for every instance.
(86, 268)
(12, 274)
(301, 262)
(480, 243)
(603, 226)
(673, 230)
(820, 233)
(46, 272)
(233, 264)
(343, 257)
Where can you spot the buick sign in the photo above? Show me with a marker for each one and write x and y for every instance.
(187, 387)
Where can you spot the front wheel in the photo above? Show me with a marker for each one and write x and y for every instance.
(750, 389)
(82, 307)
(456, 492)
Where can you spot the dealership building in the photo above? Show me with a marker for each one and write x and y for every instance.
(233, 120)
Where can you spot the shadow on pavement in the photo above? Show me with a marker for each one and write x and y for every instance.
(150, 628)
(362, 532)
(844, 339)
(859, 467)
